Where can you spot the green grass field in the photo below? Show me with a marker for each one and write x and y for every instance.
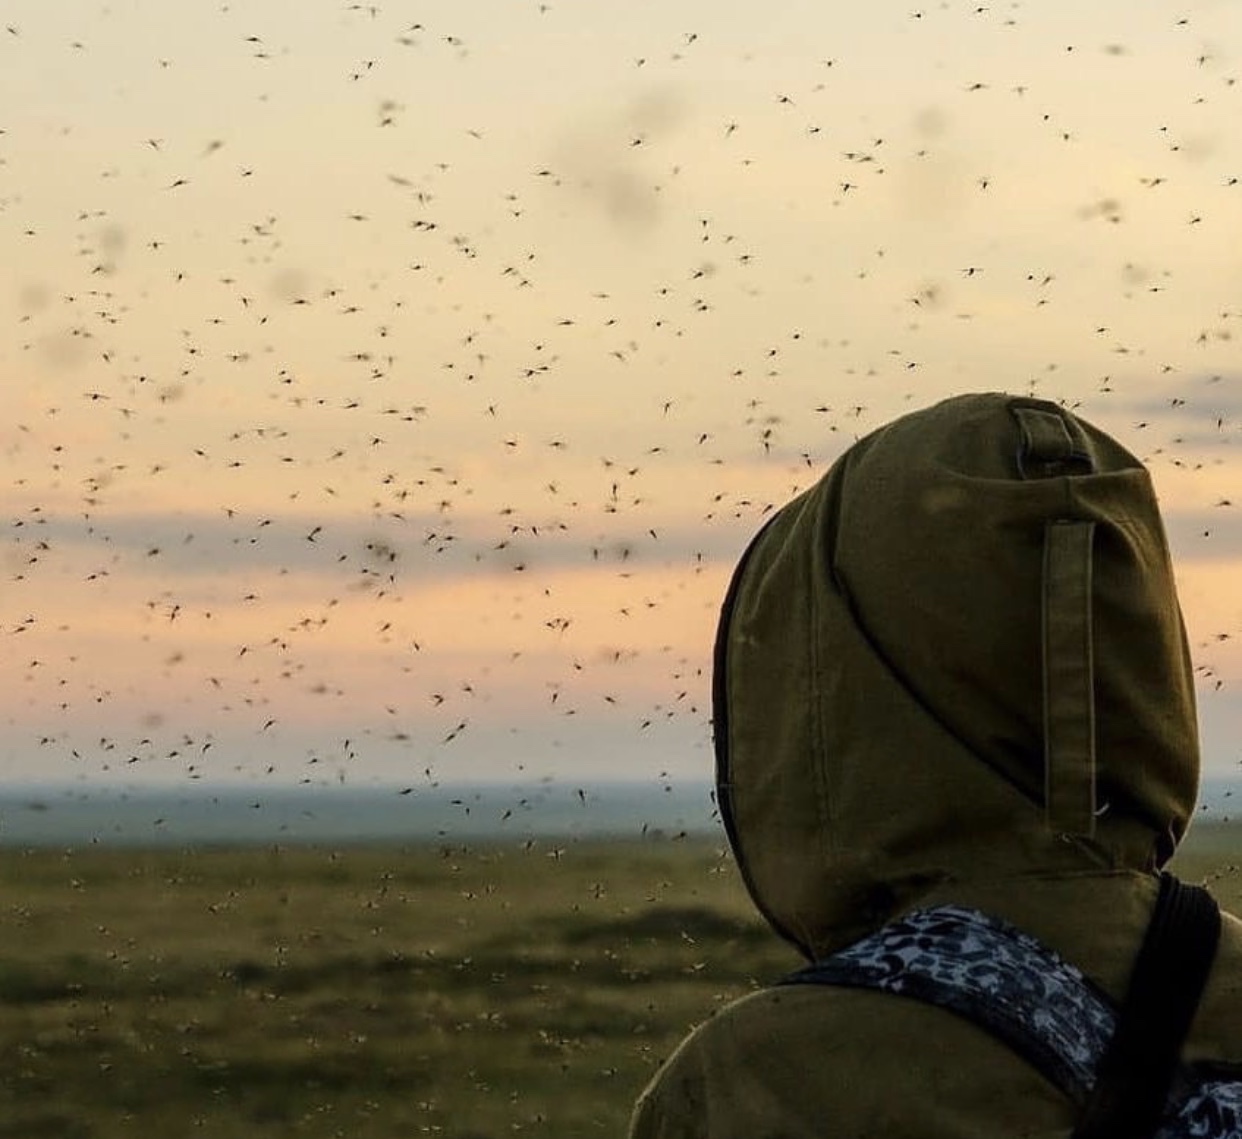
(467, 993)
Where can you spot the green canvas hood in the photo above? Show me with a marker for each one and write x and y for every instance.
(958, 657)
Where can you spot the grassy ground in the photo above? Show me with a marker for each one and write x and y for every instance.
(467, 993)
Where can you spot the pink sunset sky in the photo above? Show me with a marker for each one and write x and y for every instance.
(389, 389)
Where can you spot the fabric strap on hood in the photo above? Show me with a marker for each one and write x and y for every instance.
(1053, 446)
(1069, 680)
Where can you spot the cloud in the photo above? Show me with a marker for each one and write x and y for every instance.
(1211, 535)
(1202, 412)
(421, 545)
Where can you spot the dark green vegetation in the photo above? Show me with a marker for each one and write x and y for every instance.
(464, 992)
(362, 992)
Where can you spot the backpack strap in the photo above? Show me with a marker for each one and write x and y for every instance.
(1136, 1073)
(995, 976)
(1213, 1109)
(1118, 1067)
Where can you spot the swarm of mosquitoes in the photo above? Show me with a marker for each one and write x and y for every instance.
(398, 443)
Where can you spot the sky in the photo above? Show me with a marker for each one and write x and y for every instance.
(389, 389)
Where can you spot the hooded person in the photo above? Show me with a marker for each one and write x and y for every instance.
(952, 674)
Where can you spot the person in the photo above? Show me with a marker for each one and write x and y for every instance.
(952, 684)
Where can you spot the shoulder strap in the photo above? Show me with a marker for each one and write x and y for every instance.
(1136, 1072)
(1213, 1110)
(1117, 1066)
(992, 974)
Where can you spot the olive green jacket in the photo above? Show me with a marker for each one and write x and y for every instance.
(953, 671)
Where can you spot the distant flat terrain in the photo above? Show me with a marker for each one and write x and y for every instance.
(465, 991)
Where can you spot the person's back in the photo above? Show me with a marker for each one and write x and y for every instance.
(952, 673)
